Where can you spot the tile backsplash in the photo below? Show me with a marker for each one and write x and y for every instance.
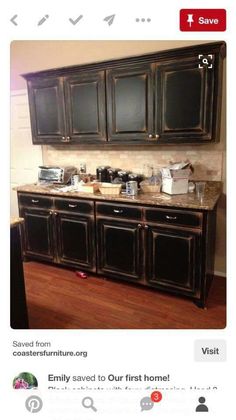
(208, 164)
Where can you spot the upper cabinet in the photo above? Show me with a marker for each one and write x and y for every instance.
(85, 106)
(184, 98)
(47, 110)
(168, 97)
(130, 103)
(68, 109)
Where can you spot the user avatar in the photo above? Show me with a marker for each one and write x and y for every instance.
(202, 407)
(25, 380)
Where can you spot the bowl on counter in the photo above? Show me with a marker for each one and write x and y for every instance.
(150, 188)
(106, 188)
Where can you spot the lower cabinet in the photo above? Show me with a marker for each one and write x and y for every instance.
(62, 233)
(119, 248)
(170, 249)
(38, 233)
(76, 244)
(173, 259)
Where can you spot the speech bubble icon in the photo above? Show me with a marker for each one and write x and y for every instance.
(146, 404)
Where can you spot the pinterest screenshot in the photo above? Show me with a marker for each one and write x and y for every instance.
(117, 210)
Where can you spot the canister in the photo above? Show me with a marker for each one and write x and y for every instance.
(131, 188)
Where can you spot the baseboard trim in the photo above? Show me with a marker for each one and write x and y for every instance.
(220, 274)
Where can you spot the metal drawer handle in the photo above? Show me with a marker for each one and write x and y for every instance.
(72, 205)
(34, 201)
(118, 211)
(171, 217)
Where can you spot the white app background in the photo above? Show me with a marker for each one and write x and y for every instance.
(116, 352)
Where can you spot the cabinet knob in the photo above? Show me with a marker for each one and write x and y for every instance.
(157, 136)
(146, 227)
(68, 138)
(139, 226)
(117, 211)
(150, 136)
(55, 213)
(63, 138)
(50, 212)
(171, 217)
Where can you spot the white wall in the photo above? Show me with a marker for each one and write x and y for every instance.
(25, 157)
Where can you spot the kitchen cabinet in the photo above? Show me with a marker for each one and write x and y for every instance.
(173, 258)
(185, 100)
(85, 106)
(38, 226)
(38, 233)
(166, 248)
(130, 103)
(165, 97)
(63, 234)
(159, 248)
(47, 110)
(119, 241)
(68, 109)
(119, 249)
(75, 232)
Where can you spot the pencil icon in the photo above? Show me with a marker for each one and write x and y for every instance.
(43, 20)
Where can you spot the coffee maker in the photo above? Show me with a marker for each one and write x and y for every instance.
(136, 177)
(102, 173)
(112, 173)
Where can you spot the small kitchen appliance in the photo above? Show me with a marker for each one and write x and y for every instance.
(56, 174)
(102, 173)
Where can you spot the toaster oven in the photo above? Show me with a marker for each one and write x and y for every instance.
(56, 174)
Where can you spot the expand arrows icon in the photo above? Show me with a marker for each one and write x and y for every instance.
(109, 19)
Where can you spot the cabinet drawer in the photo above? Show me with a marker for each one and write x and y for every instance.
(120, 211)
(174, 217)
(27, 200)
(75, 206)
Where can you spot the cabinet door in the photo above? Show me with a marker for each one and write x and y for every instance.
(85, 103)
(47, 111)
(119, 249)
(184, 99)
(76, 242)
(38, 233)
(130, 103)
(173, 259)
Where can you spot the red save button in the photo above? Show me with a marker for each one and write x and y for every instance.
(202, 20)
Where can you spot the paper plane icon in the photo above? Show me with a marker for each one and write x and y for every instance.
(109, 19)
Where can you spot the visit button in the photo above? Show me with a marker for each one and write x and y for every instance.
(202, 20)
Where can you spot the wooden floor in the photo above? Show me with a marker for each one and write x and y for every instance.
(57, 298)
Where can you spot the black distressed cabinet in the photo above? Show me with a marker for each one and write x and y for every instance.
(58, 230)
(185, 100)
(85, 106)
(68, 109)
(47, 110)
(76, 244)
(119, 249)
(130, 103)
(170, 96)
(38, 233)
(170, 249)
(173, 259)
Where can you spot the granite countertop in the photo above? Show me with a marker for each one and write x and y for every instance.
(16, 221)
(190, 200)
